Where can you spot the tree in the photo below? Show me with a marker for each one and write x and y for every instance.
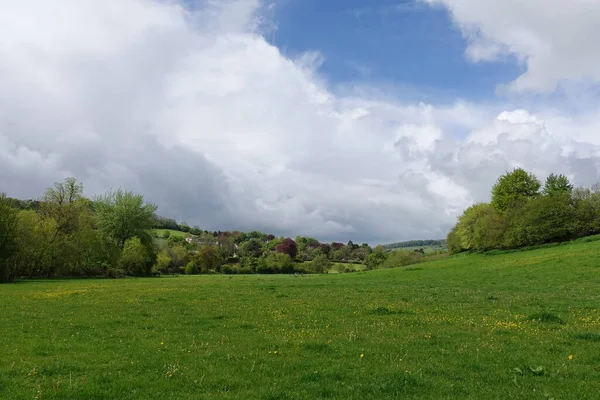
(557, 184)
(453, 241)
(321, 264)
(542, 220)
(278, 263)
(136, 258)
(375, 259)
(179, 256)
(252, 248)
(64, 202)
(8, 239)
(288, 246)
(467, 226)
(489, 230)
(512, 186)
(208, 259)
(124, 215)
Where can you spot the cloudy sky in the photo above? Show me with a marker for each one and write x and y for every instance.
(370, 120)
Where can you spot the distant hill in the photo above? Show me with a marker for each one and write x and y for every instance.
(415, 243)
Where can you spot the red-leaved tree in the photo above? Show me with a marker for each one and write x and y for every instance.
(289, 247)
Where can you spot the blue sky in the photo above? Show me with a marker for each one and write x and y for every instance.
(404, 42)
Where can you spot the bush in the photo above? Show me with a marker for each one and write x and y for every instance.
(136, 259)
(320, 265)
(542, 220)
(191, 268)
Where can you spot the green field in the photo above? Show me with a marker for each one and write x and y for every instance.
(161, 232)
(521, 325)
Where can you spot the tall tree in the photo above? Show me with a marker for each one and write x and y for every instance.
(8, 242)
(513, 186)
(557, 184)
(63, 202)
(123, 215)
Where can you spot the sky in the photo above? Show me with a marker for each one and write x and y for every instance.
(366, 120)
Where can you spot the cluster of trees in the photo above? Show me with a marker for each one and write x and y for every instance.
(67, 234)
(253, 252)
(524, 213)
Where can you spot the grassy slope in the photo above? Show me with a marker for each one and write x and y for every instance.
(455, 329)
(161, 232)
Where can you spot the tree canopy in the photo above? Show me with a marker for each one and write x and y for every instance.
(513, 186)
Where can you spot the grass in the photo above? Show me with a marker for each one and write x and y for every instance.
(518, 325)
(161, 232)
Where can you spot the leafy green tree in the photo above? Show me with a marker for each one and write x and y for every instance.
(36, 250)
(179, 256)
(557, 184)
(8, 238)
(513, 186)
(191, 268)
(321, 264)
(64, 202)
(542, 220)
(278, 263)
(252, 248)
(163, 261)
(123, 215)
(453, 241)
(136, 258)
(489, 230)
(587, 211)
(467, 225)
(376, 258)
(208, 259)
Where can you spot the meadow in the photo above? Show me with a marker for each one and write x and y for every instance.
(510, 326)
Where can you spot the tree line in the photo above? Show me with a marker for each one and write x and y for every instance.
(523, 212)
(65, 234)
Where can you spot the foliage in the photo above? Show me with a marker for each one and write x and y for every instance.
(163, 262)
(402, 258)
(289, 247)
(123, 215)
(208, 259)
(191, 268)
(375, 259)
(512, 186)
(320, 264)
(276, 263)
(557, 185)
(136, 258)
(542, 220)
(520, 216)
(8, 238)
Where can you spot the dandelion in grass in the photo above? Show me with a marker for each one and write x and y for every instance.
(362, 356)
(570, 356)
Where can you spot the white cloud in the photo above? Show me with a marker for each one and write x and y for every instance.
(555, 39)
(202, 115)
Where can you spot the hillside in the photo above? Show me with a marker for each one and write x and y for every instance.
(416, 244)
(520, 325)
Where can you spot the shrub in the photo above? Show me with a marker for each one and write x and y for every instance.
(136, 259)
(320, 265)
(191, 268)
